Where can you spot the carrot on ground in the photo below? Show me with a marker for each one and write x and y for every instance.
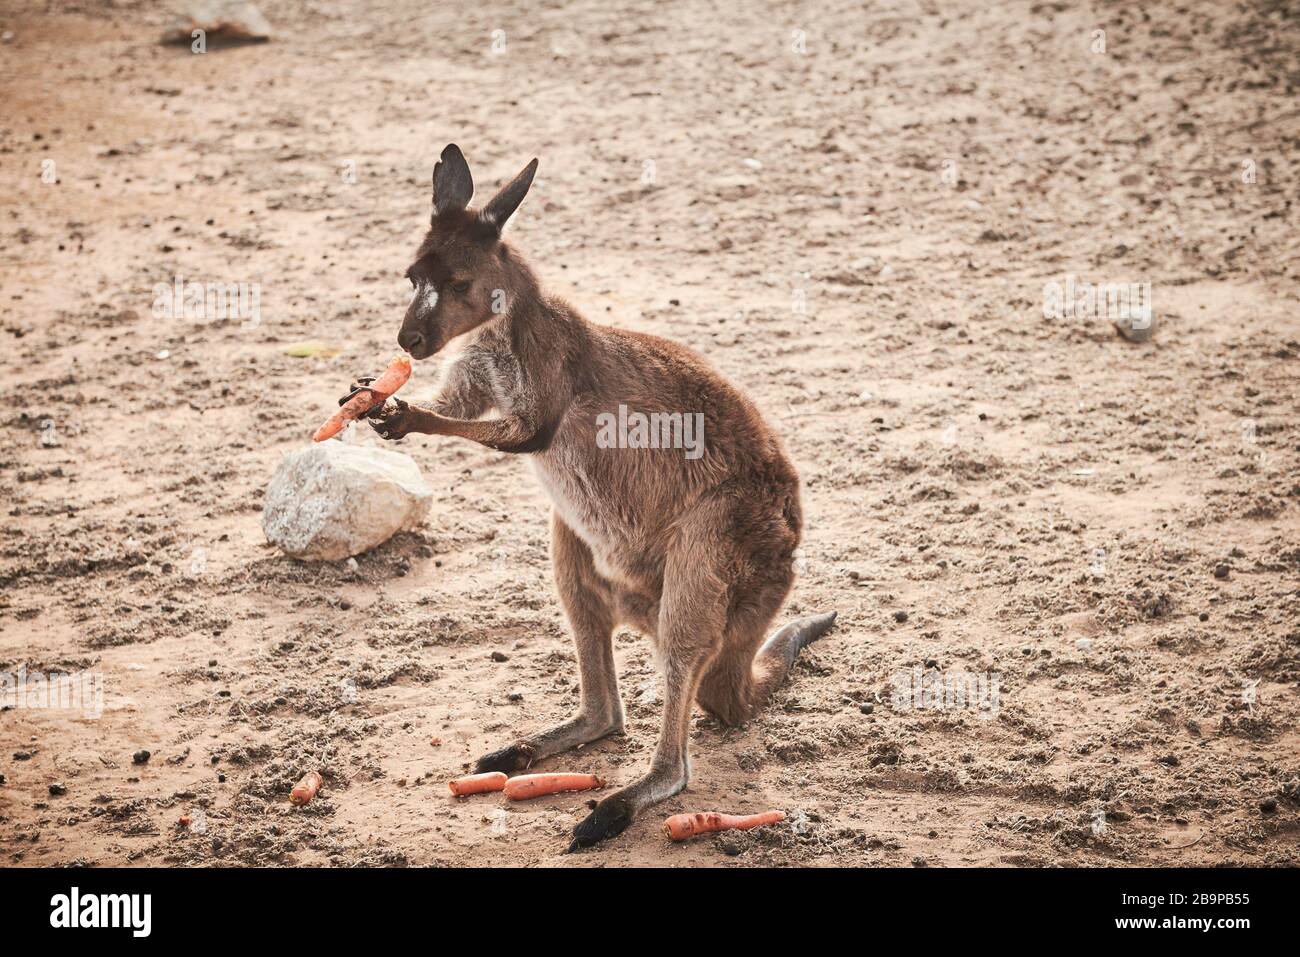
(536, 785)
(682, 826)
(306, 789)
(477, 783)
(370, 397)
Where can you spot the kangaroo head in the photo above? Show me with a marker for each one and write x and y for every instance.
(464, 273)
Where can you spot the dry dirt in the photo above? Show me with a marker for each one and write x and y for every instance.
(1012, 484)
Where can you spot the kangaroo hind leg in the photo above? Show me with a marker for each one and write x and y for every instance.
(589, 605)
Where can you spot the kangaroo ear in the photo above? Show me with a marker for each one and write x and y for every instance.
(453, 187)
(503, 205)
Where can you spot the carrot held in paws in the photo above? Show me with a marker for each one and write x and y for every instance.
(306, 789)
(527, 786)
(682, 826)
(369, 397)
(477, 783)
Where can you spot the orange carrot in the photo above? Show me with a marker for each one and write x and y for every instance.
(370, 397)
(527, 786)
(306, 789)
(682, 826)
(478, 783)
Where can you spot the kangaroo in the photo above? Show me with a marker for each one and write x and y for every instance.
(694, 551)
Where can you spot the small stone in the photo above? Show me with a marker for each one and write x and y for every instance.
(514, 696)
(500, 656)
(867, 708)
(900, 616)
(1136, 330)
(1221, 570)
(1268, 805)
(140, 757)
(58, 789)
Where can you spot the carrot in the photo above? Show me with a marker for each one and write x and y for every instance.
(306, 789)
(478, 783)
(682, 826)
(527, 786)
(370, 397)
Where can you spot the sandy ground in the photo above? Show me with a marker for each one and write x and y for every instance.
(859, 234)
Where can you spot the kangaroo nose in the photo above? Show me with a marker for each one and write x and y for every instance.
(412, 342)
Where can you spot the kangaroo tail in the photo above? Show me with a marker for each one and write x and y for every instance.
(776, 657)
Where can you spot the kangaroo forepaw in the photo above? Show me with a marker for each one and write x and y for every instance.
(517, 757)
(611, 817)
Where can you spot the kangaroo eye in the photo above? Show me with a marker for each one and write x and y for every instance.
(462, 287)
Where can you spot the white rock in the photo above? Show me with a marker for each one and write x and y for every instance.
(229, 20)
(330, 500)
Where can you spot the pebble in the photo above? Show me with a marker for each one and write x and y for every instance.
(58, 789)
(900, 616)
(500, 656)
(140, 757)
(1220, 570)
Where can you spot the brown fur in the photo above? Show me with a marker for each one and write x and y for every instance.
(695, 553)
